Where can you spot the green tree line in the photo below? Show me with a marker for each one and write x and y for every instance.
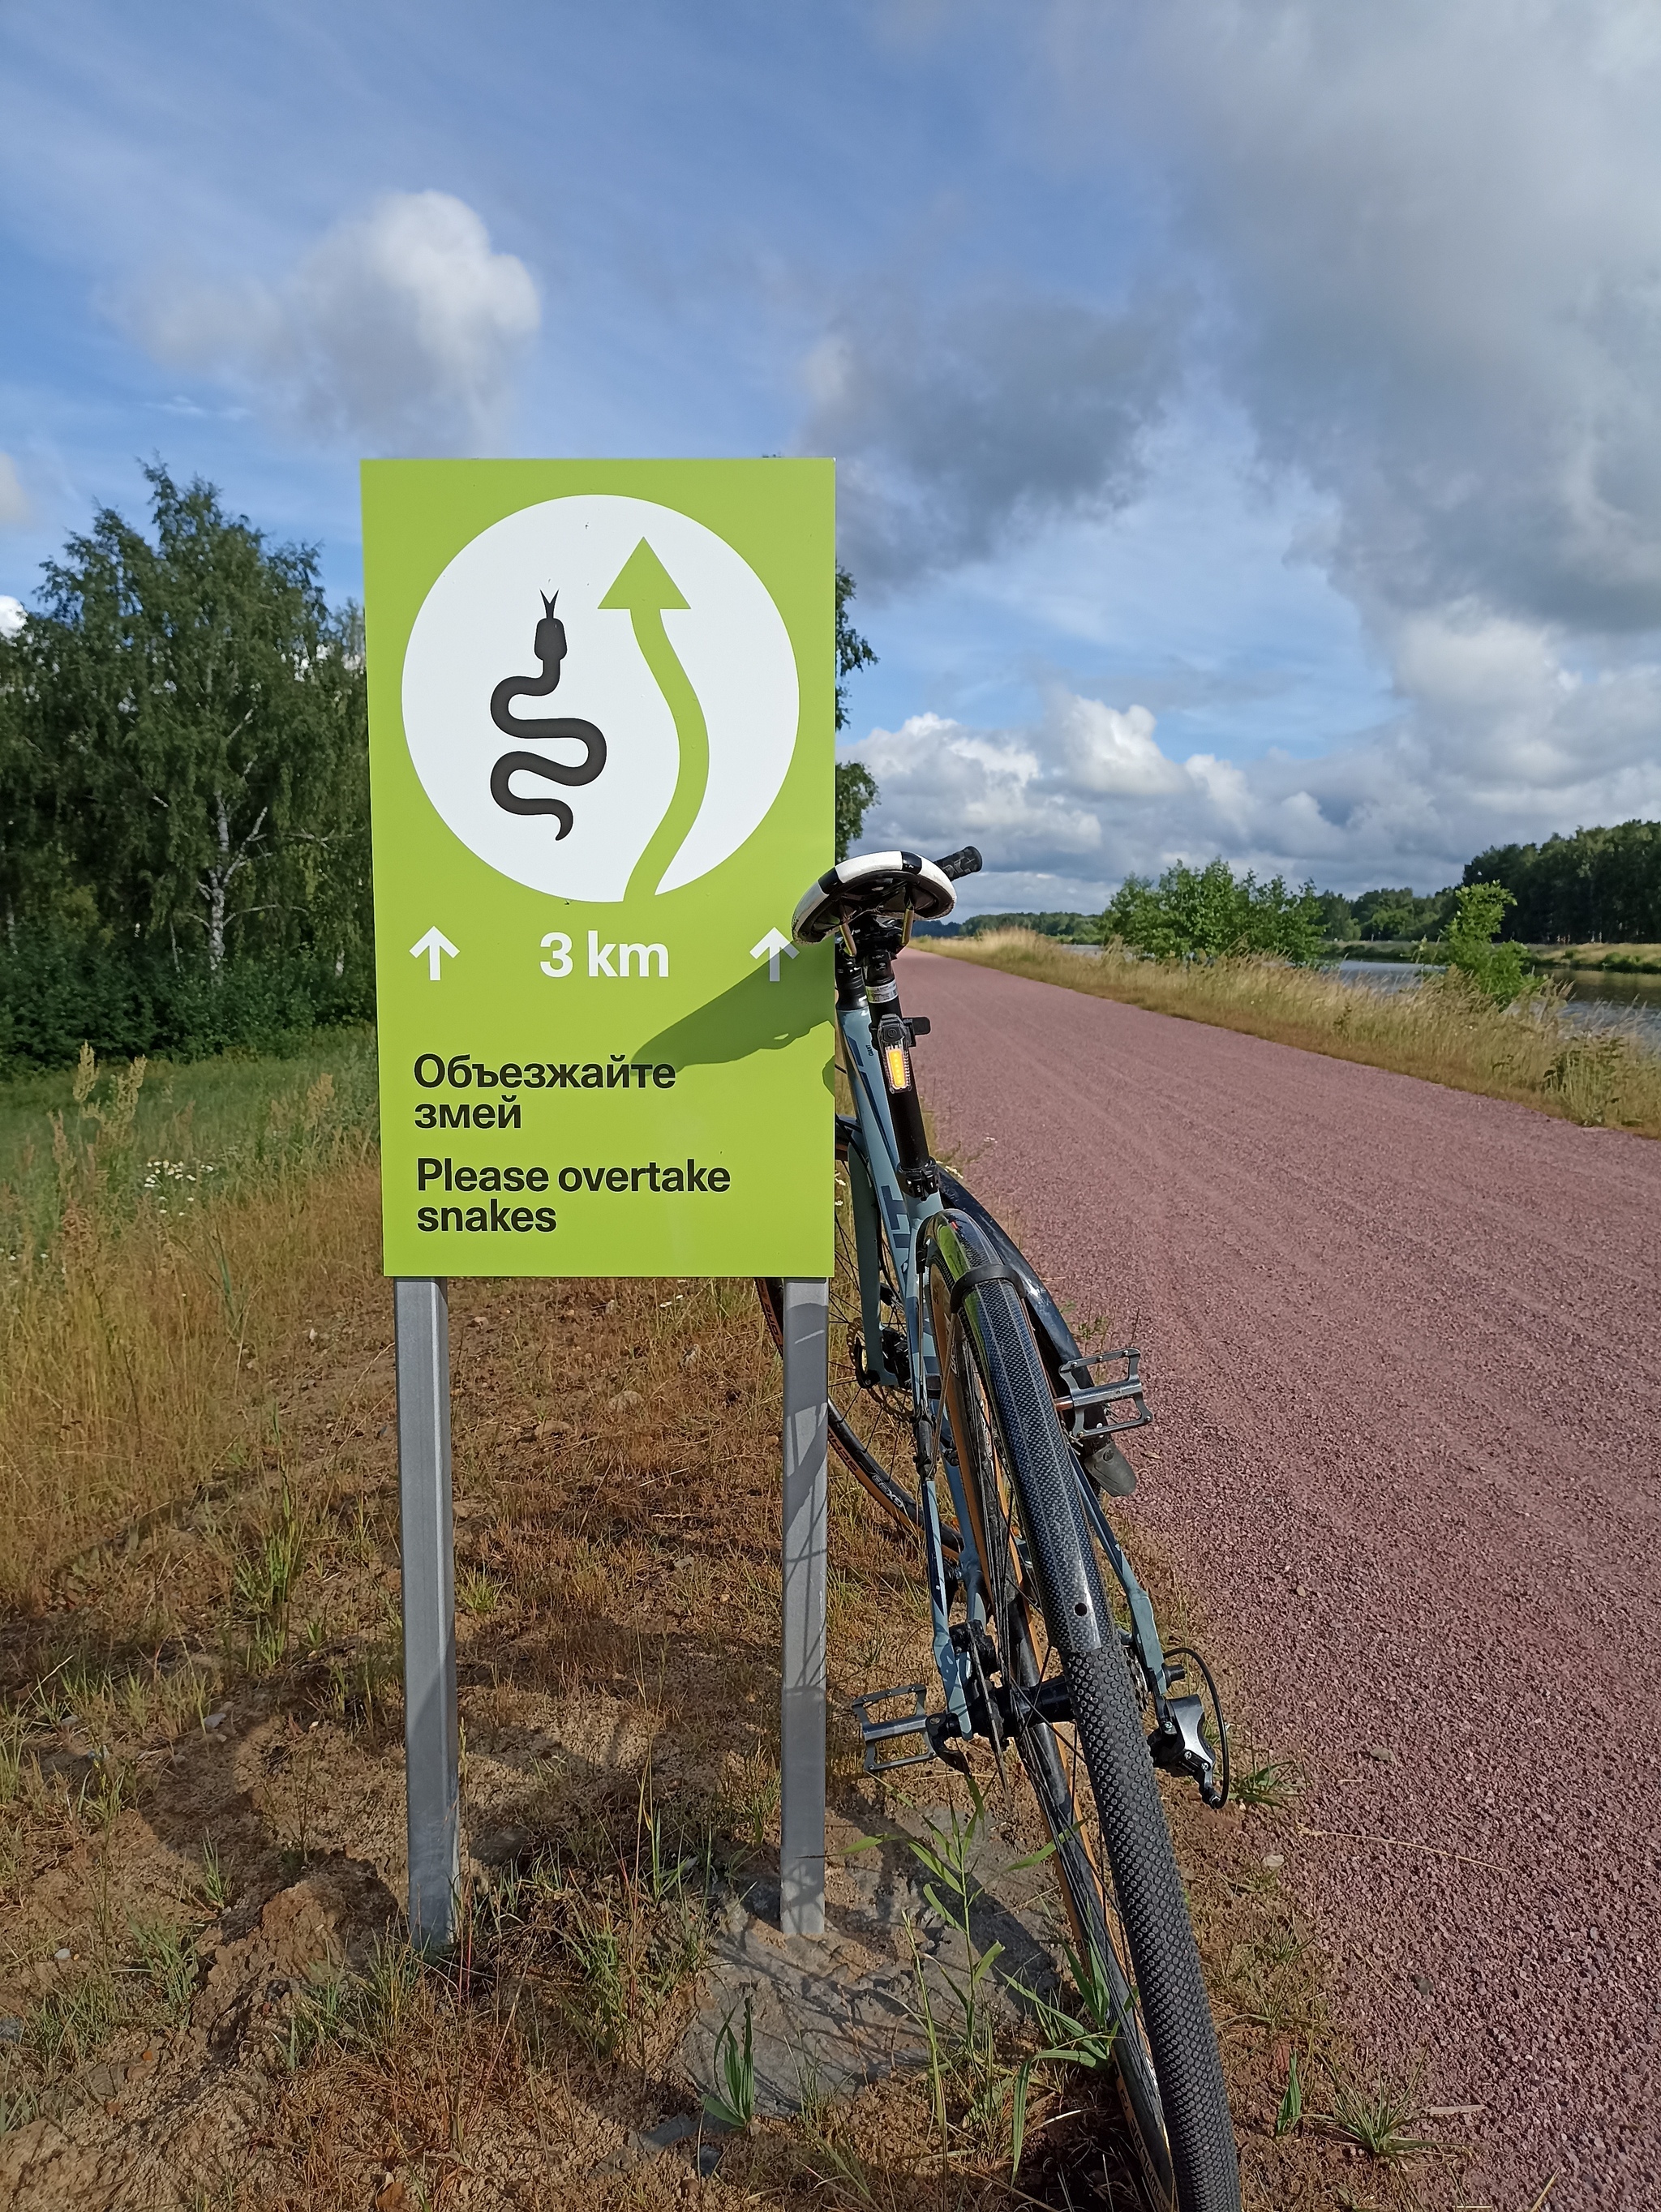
(1069, 927)
(1399, 913)
(1599, 884)
(1210, 913)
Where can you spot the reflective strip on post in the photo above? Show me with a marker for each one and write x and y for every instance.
(427, 1541)
(801, 1713)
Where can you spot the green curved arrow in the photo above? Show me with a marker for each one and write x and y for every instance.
(644, 588)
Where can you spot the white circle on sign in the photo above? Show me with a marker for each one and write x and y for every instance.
(479, 626)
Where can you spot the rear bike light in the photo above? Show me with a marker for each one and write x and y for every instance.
(899, 1075)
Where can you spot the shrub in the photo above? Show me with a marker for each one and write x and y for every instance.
(1210, 913)
(60, 989)
(1499, 971)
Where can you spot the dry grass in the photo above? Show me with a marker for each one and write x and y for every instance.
(147, 1324)
(200, 1753)
(1438, 1029)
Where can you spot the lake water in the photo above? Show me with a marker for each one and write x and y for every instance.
(1600, 1002)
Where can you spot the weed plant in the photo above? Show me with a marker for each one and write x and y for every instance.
(1381, 2118)
(1266, 1780)
(733, 2102)
(1289, 2114)
(980, 2073)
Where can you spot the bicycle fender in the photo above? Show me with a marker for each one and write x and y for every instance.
(1076, 1612)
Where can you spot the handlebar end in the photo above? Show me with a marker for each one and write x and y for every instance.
(967, 862)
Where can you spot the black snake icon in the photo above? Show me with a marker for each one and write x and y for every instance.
(550, 648)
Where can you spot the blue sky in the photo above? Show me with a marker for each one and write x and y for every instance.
(1247, 416)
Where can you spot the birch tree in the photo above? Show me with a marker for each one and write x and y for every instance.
(192, 716)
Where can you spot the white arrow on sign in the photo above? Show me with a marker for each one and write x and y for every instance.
(434, 945)
(772, 945)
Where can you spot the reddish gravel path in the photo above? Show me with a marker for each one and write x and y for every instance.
(1407, 1376)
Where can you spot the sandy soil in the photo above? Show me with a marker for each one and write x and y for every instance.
(1404, 1358)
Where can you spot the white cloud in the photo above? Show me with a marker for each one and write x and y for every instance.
(15, 506)
(1111, 754)
(1085, 794)
(400, 330)
(949, 785)
(12, 614)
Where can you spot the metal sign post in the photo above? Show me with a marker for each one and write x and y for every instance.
(801, 1702)
(602, 732)
(427, 1537)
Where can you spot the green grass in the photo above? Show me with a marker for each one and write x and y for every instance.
(479, 1592)
(66, 2028)
(364, 2012)
(215, 1884)
(1380, 2119)
(212, 1119)
(167, 1953)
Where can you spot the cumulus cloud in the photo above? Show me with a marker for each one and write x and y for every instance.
(13, 614)
(1065, 807)
(955, 431)
(401, 329)
(1433, 237)
(14, 508)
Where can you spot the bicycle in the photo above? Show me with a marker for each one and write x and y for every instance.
(949, 1358)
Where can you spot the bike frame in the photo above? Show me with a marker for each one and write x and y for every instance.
(881, 1193)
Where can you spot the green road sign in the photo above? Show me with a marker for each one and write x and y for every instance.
(601, 722)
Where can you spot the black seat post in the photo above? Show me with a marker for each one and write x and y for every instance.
(851, 984)
(878, 939)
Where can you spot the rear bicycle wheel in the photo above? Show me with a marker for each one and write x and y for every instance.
(1090, 1772)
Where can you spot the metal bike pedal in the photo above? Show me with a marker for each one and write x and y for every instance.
(1083, 1404)
(913, 1723)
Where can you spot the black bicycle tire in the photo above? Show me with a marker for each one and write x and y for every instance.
(1200, 2170)
(1038, 1748)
